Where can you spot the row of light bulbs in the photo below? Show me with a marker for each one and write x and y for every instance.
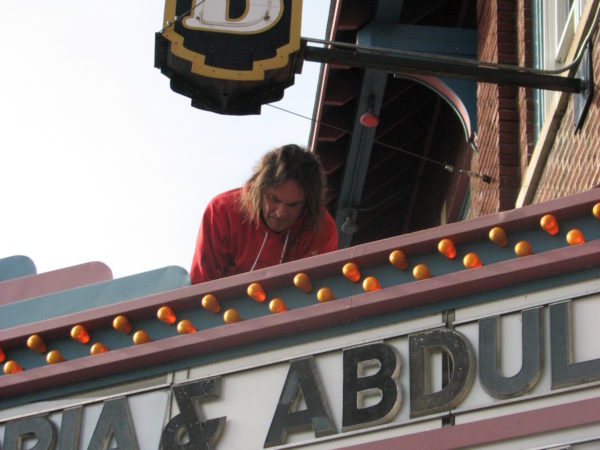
(302, 281)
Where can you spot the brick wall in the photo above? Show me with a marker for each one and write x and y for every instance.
(505, 117)
(499, 110)
(525, 95)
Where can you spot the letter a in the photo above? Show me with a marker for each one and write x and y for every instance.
(114, 423)
(302, 378)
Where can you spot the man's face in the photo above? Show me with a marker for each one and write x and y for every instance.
(282, 205)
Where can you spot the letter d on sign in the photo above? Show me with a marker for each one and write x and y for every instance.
(458, 349)
(250, 16)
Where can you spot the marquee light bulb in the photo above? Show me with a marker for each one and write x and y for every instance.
(549, 224)
(11, 366)
(523, 248)
(596, 210)
(122, 325)
(166, 315)
(231, 316)
(398, 259)
(471, 260)
(446, 247)
(97, 348)
(277, 305)
(498, 236)
(80, 334)
(324, 294)
(575, 237)
(54, 356)
(185, 327)
(2, 355)
(302, 282)
(210, 303)
(256, 292)
(421, 272)
(371, 284)
(36, 343)
(351, 271)
(140, 337)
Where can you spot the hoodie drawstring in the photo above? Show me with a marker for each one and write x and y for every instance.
(287, 236)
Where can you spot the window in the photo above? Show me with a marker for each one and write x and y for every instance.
(555, 23)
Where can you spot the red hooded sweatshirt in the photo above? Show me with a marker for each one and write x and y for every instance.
(228, 243)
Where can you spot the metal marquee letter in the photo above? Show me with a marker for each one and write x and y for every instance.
(458, 349)
(532, 362)
(70, 428)
(114, 423)
(188, 430)
(385, 381)
(38, 428)
(565, 372)
(302, 379)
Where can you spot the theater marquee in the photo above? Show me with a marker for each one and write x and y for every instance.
(504, 358)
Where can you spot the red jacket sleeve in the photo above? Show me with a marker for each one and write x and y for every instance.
(211, 253)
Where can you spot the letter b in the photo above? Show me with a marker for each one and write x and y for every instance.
(384, 381)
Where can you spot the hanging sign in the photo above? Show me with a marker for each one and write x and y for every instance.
(230, 57)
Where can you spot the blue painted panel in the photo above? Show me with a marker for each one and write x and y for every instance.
(456, 42)
(15, 267)
(92, 296)
(460, 42)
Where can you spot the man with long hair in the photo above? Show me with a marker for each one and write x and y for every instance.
(277, 216)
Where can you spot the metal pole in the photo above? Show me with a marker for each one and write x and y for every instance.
(428, 65)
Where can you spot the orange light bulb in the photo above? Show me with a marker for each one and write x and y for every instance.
(324, 294)
(421, 272)
(231, 316)
(185, 327)
(2, 355)
(549, 224)
(277, 305)
(54, 356)
(36, 343)
(446, 247)
(98, 348)
(371, 284)
(498, 236)
(471, 260)
(80, 334)
(256, 292)
(523, 248)
(350, 271)
(210, 303)
(166, 315)
(575, 237)
(302, 282)
(140, 337)
(11, 366)
(122, 325)
(398, 259)
(596, 210)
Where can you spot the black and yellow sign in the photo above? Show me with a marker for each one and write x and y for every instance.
(230, 56)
